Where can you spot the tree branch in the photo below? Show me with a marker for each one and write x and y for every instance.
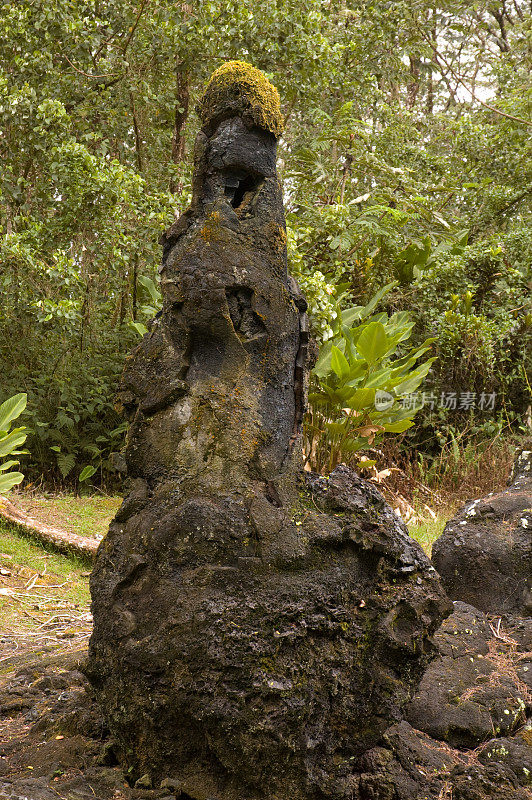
(134, 26)
(471, 91)
(87, 75)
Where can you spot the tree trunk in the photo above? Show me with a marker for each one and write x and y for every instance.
(413, 86)
(182, 101)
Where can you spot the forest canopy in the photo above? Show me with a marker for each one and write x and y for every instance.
(405, 159)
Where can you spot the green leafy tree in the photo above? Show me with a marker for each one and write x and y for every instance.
(407, 125)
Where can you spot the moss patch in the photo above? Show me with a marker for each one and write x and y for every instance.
(239, 88)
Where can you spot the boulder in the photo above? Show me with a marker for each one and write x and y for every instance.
(232, 671)
(255, 631)
(479, 685)
(484, 555)
(468, 731)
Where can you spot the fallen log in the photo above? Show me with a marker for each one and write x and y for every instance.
(55, 538)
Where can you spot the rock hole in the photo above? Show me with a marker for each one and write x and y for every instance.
(240, 187)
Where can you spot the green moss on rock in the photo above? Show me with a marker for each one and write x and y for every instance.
(239, 88)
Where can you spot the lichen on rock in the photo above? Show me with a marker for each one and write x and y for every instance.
(239, 88)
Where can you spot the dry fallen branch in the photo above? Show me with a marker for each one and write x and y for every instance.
(53, 537)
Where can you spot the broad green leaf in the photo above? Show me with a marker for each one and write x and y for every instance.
(361, 398)
(339, 363)
(356, 372)
(343, 395)
(318, 398)
(352, 315)
(410, 358)
(375, 300)
(398, 427)
(336, 428)
(139, 328)
(395, 414)
(7, 465)
(352, 445)
(372, 343)
(86, 473)
(382, 316)
(411, 383)
(9, 480)
(379, 379)
(323, 364)
(9, 443)
(11, 409)
(152, 289)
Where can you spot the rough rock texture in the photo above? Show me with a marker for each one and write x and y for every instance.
(484, 555)
(258, 652)
(481, 683)
(468, 731)
(249, 641)
(55, 743)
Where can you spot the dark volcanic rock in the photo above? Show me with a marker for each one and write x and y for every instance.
(233, 671)
(477, 688)
(469, 733)
(249, 641)
(484, 555)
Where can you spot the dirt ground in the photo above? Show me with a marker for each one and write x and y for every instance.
(53, 741)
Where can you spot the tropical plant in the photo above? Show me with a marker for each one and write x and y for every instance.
(11, 440)
(360, 378)
(407, 124)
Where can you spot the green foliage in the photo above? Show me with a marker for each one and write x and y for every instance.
(11, 441)
(477, 305)
(359, 379)
(387, 158)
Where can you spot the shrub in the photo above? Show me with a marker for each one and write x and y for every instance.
(359, 380)
(11, 440)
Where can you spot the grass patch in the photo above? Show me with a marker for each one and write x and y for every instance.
(87, 516)
(36, 584)
(428, 531)
(26, 553)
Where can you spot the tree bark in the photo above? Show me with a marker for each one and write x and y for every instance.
(413, 85)
(182, 102)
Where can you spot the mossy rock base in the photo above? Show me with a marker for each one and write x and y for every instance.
(250, 651)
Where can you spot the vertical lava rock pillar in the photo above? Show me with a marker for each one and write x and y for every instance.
(247, 643)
